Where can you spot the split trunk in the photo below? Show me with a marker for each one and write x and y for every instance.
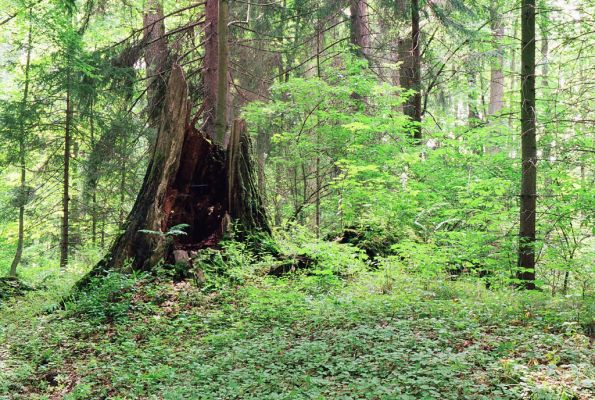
(190, 180)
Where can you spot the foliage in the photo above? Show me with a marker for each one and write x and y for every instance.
(108, 299)
(287, 339)
(176, 230)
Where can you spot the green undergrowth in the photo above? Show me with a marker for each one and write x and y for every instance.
(376, 335)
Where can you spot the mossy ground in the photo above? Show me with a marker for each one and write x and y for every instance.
(374, 336)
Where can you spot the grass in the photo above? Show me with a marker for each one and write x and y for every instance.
(377, 335)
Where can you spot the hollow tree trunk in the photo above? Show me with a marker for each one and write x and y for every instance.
(189, 180)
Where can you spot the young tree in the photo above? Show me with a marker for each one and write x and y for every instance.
(70, 37)
(23, 138)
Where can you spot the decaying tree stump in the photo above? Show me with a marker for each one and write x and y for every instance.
(189, 180)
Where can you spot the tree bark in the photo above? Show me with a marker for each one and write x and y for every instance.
(244, 200)
(496, 75)
(263, 146)
(93, 185)
(221, 112)
(122, 211)
(22, 158)
(526, 256)
(545, 85)
(410, 72)
(360, 30)
(155, 54)
(65, 239)
(210, 68)
(473, 116)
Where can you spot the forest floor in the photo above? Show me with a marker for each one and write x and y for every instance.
(374, 336)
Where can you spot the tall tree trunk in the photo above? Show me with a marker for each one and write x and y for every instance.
(210, 68)
(221, 111)
(545, 84)
(318, 182)
(65, 239)
(496, 102)
(360, 30)
(93, 187)
(512, 73)
(526, 256)
(496, 75)
(22, 157)
(511, 140)
(410, 71)
(155, 54)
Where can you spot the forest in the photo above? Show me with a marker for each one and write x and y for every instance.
(297, 199)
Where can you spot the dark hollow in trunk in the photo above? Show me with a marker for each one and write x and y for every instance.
(189, 180)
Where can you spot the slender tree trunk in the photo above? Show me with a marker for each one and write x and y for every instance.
(496, 102)
(278, 191)
(526, 257)
(472, 112)
(210, 68)
(64, 243)
(317, 199)
(565, 284)
(496, 74)
(319, 45)
(94, 183)
(122, 215)
(22, 158)
(511, 142)
(102, 243)
(545, 85)
(221, 112)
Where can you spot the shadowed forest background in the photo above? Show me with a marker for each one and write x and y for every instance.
(287, 199)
